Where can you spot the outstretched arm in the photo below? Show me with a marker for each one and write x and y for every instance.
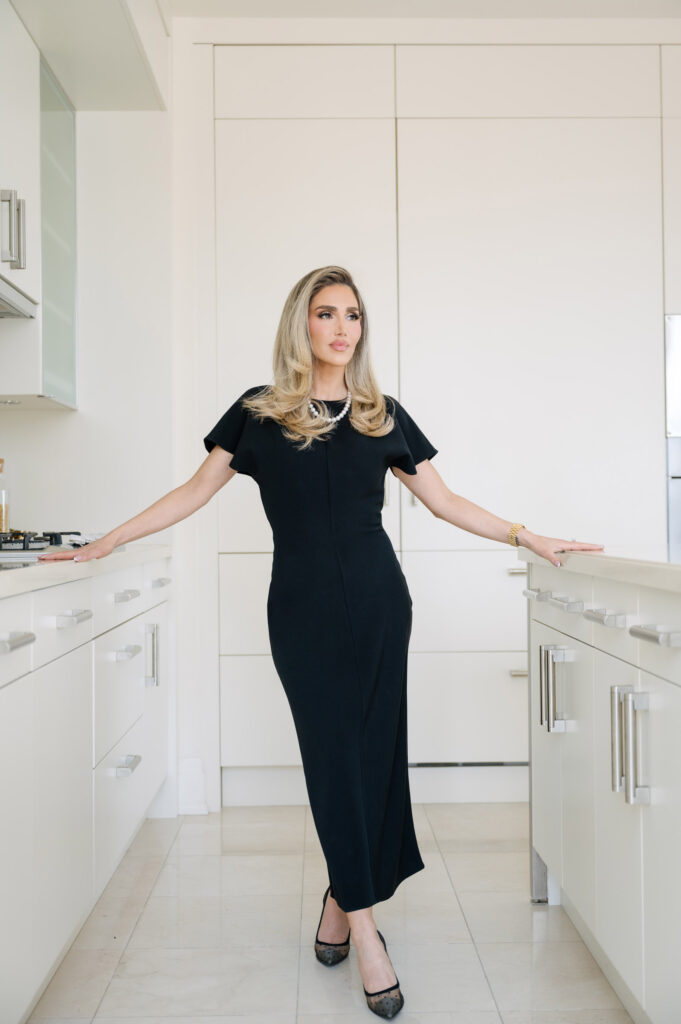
(174, 506)
(430, 488)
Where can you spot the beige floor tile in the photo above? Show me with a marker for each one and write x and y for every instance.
(546, 976)
(134, 876)
(155, 836)
(173, 982)
(479, 821)
(170, 922)
(489, 872)
(78, 984)
(240, 837)
(230, 1018)
(567, 1017)
(248, 873)
(249, 814)
(110, 923)
(421, 918)
(406, 1017)
(512, 917)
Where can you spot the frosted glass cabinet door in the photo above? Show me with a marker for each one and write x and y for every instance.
(58, 202)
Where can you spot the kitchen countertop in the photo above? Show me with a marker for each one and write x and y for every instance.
(50, 574)
(643, 566)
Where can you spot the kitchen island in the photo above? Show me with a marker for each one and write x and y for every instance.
(604, 672)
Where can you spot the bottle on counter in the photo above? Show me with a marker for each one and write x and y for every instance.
(4, 499)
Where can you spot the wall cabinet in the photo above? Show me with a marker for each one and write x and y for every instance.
(605, 768)
(83, 751)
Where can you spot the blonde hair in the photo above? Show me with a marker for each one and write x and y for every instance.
(286, 399)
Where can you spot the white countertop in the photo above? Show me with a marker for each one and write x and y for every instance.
(648, 567)
(49, 574)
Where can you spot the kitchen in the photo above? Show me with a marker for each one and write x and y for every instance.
(513, 184)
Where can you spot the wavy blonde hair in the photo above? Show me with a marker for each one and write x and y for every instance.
(286, 399)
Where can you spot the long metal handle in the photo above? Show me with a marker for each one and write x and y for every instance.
(553, 654)
(9, 196)
(657, 635)
(613, 620)
(15, 639)
(616, 736)
(20, 262)
(128, 652)
(151, 629)
(566, 603)
(517, 672)
(517, 570)
(126, 595)
(72, 618)
(633, 793)
(130, 763)
(542, 682)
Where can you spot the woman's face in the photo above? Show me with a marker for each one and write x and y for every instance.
(335, 324)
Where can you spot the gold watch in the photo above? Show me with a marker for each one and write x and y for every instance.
(512, 533)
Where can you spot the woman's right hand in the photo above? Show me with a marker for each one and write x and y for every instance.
(99, 548)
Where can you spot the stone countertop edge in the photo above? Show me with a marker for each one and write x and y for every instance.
(659, 574)
(51, 574)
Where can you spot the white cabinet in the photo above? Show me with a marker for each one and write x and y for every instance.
(606, 796)
(20, 149)
(84, 717)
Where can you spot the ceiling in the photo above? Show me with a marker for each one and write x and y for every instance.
(421, 8)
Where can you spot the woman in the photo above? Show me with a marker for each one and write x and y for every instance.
(318, 442)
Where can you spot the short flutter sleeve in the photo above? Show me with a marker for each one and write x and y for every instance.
(231, 432)
(411, 444)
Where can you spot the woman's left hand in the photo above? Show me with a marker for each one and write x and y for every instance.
(547, 547)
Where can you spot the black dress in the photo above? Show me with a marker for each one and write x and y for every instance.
(339, 615)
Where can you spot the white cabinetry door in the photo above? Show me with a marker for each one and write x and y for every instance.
(660, 729)
(517, 270)
(20, 146)
(18, 972)
(62, 872)
(619, 909)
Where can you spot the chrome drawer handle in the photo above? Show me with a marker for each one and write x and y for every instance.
(151, 628)
(657, 635)
(11, 254)
(131, 762)
(566, 603)
(128, 652)
(517, 570)
(617, 736)
(10, 641)
(613, 620)
(633, 793)
(73, 617)
(126, 595)
(161, 581)
(536, 594)
(517, 672)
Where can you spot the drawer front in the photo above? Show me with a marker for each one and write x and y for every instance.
(558, 598)
(659, 633)
(468, 707)
(17, 639)
(118, 797)
(63, 618)
(118, 596)
(158, 581)
(615, 607)
(119, 679)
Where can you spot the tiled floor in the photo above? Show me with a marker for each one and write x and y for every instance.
(214, 917)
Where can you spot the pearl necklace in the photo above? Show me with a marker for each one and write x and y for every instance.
(332, 419)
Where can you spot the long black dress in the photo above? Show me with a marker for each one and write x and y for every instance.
(339, 614)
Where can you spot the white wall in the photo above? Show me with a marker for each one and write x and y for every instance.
(93, 468)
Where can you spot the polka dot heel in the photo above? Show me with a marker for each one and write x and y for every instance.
(330, 953)
(387, 1002)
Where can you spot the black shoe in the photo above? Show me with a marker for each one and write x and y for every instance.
(387, 1001)
(330, 953)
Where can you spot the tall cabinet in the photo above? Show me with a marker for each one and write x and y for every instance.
(501, 209)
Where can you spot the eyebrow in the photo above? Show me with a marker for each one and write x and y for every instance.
(334, 308)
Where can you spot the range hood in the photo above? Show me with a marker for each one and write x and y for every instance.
(14, 302)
